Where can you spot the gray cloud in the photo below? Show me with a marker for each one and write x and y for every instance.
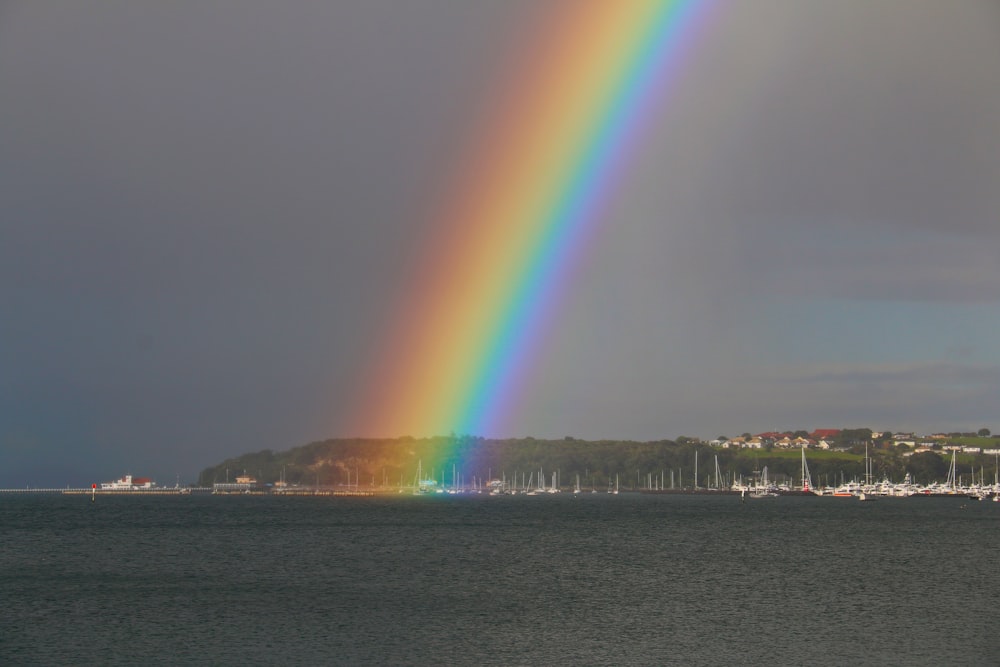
(209, 213)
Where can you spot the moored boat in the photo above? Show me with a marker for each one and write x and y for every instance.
(129, 483)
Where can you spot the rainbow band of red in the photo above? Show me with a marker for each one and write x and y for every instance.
(523, 213)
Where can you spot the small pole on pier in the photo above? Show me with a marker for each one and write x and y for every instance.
(93, 492)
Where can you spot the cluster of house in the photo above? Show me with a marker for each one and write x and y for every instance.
(827, 439)
(818, 439)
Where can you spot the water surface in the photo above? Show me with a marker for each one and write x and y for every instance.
(590, 579)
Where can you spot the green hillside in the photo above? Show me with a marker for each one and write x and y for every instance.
(394, 462)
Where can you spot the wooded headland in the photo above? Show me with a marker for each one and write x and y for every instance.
(394, 462)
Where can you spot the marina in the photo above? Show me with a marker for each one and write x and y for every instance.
(541, 483)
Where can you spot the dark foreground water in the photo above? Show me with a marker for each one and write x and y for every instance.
(589, 580)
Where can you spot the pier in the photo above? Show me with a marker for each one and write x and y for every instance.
(68, 491)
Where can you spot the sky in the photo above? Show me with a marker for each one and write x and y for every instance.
(209, 210)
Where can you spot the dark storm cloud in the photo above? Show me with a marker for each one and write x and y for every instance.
(959, 395)
(840, 149)
(822, 186)
(878, 114)
(206, 210)
(210, 210)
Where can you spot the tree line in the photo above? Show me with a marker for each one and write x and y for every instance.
(465, 459)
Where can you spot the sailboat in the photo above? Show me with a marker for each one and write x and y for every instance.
(555, 484)
(423, 486)
(996, 480)
(807, 485)
(527, 489)
(952, 482)
(763, 488)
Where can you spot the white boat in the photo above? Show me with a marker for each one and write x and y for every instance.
(848, 490)
(807, 485)
(423, 486)
(996, 480)
(555, 484)
(530, 491)
(763, 488)
(128, 483)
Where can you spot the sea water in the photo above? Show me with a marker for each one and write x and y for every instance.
(588, 579)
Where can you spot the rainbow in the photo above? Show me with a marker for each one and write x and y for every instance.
(522, 212)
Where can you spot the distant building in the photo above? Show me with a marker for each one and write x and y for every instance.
(128, 483)
(243, 484)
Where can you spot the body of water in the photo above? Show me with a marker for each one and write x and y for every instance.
(593, 579)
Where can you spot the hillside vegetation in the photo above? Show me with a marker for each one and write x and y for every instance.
(394, 462)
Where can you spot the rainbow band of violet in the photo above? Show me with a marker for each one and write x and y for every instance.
(523, 214)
